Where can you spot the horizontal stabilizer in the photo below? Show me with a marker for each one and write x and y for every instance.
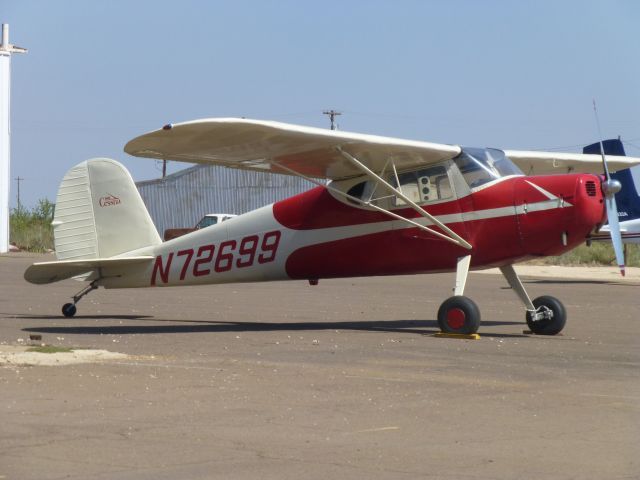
(49, 272)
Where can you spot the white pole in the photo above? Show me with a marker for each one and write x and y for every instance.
(6, 49)
(5, 173)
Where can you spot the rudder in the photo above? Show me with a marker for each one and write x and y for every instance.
(628, 198)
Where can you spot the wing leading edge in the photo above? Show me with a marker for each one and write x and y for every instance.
(546, 163)
(315, 152)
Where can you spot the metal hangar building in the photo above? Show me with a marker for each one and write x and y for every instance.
(182, 198)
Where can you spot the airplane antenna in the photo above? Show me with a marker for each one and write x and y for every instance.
(6, 49)
(332, 116)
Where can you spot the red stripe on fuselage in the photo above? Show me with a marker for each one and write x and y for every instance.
(406, 251)
(317, 208)
(496, 234)
(400, 251)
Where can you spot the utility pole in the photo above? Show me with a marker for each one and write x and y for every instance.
(332, 115)
(18, 180)
(6, 49)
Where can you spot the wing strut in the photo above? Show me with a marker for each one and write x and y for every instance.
(452, 237)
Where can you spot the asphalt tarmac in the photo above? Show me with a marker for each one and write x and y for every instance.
(341, 380)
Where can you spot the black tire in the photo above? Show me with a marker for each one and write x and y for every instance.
(459, 314)
(68, 310)
(554, 323)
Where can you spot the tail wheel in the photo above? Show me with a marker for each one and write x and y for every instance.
(68, 309)
(554, 316)
(459, 314)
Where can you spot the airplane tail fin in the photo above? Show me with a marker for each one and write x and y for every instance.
(99, 213)
(628, 198)
(611, 147)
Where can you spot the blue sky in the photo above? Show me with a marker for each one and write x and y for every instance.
(505, 74)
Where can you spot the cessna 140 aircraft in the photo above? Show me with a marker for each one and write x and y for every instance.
(390, 207)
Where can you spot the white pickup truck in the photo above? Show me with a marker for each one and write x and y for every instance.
(206, 221)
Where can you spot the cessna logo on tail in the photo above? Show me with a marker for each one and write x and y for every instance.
(109, 201)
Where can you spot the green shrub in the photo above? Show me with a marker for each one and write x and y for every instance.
(599, 253)
(31, 229)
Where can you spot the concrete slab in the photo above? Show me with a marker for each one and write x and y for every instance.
(339, 380)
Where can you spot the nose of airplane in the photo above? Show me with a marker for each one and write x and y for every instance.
(557, 212)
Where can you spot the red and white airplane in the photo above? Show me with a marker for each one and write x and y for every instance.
(383, 206)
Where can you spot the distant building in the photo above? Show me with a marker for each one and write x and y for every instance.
(183, 198)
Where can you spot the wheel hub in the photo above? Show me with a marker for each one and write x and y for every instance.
(456, 318)
(542, 313)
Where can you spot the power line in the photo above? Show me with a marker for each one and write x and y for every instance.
(18, 180)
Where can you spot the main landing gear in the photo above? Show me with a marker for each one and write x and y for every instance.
(69, 309)
(459, 314)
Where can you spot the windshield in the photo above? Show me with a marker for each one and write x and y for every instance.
(482, 165)
(207, 222)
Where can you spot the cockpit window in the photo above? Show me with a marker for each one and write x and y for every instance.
(425, 185)
(357, 190)
(364, 191)
(421, 186)
(482, 165)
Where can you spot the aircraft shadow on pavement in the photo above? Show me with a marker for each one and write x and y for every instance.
(581, 282)
(198, 326)
(88, 317)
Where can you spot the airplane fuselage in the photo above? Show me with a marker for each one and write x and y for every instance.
(316, 235)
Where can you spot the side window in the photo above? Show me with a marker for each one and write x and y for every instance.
(425, 185)
(357, 190)
(366, 191)
(443, 186)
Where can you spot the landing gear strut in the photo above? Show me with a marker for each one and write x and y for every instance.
(69, 309)
(459, 314)
(545, 315)
(552, 313)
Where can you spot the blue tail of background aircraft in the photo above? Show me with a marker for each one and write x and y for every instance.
(627, 199)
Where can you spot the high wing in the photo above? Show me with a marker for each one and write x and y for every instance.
(319, 153)
(303, 151)
(545, 163)
(264, 146)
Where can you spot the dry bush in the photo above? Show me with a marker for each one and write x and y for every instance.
(31, 229)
